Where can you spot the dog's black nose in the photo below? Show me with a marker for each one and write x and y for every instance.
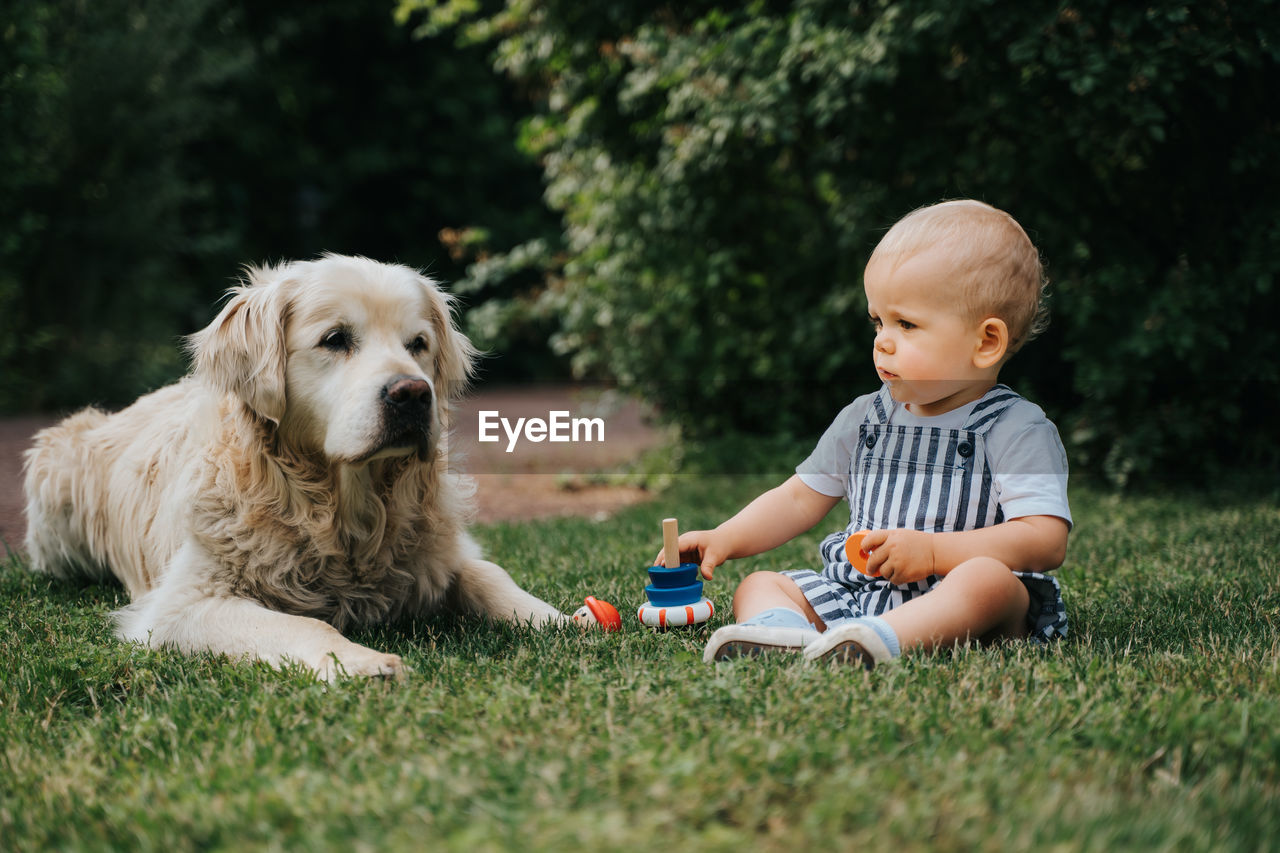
(406, 392)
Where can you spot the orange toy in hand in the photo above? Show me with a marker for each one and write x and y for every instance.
(853, 550)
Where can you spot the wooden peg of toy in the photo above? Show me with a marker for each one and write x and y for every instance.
(671, 542)
(853, 550)
(597, 613)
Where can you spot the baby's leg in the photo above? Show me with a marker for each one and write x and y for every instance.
(761, 591)
(980, 598)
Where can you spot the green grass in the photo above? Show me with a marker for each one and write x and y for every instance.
(1156, 725)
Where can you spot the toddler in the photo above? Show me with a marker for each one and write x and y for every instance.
(961, 482)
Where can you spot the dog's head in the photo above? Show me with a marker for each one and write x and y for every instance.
(349, 357)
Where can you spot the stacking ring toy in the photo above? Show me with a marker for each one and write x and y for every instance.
(674, 594)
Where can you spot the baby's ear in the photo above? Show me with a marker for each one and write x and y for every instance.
(993, 342)
(242, 352)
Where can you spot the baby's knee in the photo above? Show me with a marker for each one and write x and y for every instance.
(986, 576)
(766, 589)
(759, 581)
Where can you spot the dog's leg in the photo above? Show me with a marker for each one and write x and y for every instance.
(241, 628)
(486, 588)
(182, 614)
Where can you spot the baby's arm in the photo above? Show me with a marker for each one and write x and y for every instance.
(1031, 543)
(777, 516)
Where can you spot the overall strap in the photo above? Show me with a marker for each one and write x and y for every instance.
(881, 407)
(978, 505)
(990, 408)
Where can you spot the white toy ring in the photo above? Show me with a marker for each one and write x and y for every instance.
(676, 615)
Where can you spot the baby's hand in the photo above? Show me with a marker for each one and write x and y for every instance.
(899, 556)
(698, 546)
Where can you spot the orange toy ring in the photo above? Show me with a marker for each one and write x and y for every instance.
(853, 550)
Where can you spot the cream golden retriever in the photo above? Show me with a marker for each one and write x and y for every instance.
(296, 484)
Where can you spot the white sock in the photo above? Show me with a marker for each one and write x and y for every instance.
(886, 633)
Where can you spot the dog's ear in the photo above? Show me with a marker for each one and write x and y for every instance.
(242, 352)
(455, 354)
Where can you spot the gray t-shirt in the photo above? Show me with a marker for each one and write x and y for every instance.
(1027, 459)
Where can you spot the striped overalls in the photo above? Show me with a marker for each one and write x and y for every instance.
(922, 478)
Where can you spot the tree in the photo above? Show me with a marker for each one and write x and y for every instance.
(150, 149)
(100, 102)
(723, 170)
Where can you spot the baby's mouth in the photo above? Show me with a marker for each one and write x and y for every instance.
(885, 374)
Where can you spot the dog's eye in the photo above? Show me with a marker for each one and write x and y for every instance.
(336, 340)
(418, 345)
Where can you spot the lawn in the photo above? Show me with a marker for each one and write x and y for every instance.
(1155, 725)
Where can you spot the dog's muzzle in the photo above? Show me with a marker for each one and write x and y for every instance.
(406, 406)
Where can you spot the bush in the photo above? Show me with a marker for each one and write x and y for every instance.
(151, 148)
(723, 173)
(99, 102)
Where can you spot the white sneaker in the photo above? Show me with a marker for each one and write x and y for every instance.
(746, 640)
(852, 644)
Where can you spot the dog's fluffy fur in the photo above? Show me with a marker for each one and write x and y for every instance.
(294, 485)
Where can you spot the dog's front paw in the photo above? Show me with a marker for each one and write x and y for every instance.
(361, 662)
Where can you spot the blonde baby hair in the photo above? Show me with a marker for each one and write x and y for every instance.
(998, 269)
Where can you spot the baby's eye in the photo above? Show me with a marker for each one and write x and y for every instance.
(875, 322)
(906, 324)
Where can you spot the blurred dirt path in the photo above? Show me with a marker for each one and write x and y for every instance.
(535, 480)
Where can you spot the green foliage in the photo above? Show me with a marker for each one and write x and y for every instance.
(724, 170)
(150, 149)
(356, 137)
(99, 103)
(1155, 725)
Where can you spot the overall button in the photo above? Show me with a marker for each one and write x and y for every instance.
(965, 449)
(870, 442)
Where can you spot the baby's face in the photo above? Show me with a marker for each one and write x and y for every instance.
(925, 346)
